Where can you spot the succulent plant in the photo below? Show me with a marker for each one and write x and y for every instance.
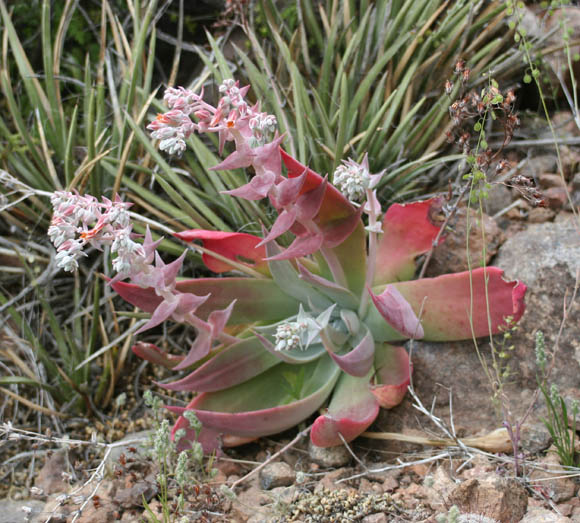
(280, 330)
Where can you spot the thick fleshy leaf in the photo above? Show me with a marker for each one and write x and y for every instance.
(153, 354)
(392, 375)
(170, 270)
(408, 231)
(287, 279)
(282, 224)
(335, 292)
(336, 234)
(199, 349)
(359, 360)
(162, 312)
(240, 158)
(447, 302)
(267, 156)
(334, 206)
(264, 404)
(234, 365)
(340, 222)
(256, 189)
(257, 300)
(351, 411)
(237, 246)
(308, 204)
(287, 191)
(301, 246)
(397, 312)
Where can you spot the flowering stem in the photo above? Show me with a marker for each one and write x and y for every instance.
(372, 259)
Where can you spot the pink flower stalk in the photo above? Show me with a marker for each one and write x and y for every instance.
(233, 119)
(81, 220)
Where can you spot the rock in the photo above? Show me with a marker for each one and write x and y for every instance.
(370, 487)
(480, 468)
(390, 484)
(438, 487)
(450, 256)
(555, 197)
(134, 491)
(542, 515)
(249, 503)
(134, 440)
(535, 438)
(527, 255)
(498, 498)
(548, 180)
(498, 199)
(546, 163)
(576, 182)
(277, 474)
(12, 511)
(228, 468)
(329, 480)
(556, 487)
(540, 215)
(331, 457)
(50, 479)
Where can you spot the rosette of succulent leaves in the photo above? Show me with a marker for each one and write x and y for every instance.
(283, 331)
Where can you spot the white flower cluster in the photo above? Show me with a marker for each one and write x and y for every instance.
(81, 220)
(289, 335)
(233, 118)
(352, 180)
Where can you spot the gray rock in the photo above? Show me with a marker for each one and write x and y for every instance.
(134, 440)
(12, 511)
(278, 474)
(498, 199)
(332, 457)
(535, 438)
(528, 254)
(547, 163)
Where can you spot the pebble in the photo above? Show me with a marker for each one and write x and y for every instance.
(278, 474)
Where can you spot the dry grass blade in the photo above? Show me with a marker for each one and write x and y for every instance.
(495, 441)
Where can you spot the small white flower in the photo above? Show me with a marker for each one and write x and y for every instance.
(352, 180)
(288, 335)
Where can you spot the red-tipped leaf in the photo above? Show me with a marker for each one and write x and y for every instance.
(408, 231)
(359, 360)
(351, 411)
(392, 375)
(447, 313)
(263, 405)
(234, 365)
(239, 247)
(397, 312)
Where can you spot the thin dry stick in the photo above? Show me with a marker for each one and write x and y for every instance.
(298, 437)
(356, 458)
